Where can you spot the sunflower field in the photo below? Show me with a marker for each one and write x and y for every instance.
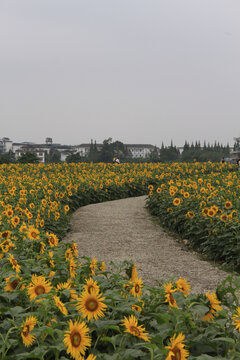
(55, 304)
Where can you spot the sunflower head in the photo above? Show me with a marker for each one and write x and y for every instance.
(77, 339)
(91, 305)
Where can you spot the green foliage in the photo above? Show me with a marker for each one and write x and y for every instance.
(28, 158)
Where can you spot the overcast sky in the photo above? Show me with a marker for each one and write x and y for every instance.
(139, 71)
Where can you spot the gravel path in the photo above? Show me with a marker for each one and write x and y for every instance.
(123, 229)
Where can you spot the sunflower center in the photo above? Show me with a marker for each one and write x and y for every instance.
(39, 290)
(25, 330)
(91, 305)
(137, 288)
(14, 284)
(135, 331)
(14, 262)
(172, 300)
(75, 339)
(177, 354)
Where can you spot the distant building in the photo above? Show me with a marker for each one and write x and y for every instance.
(140, 150)
(41, 150)
(38, 152)
(5, 145)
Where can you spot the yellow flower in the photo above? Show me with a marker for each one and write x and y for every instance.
(176, 201)
(12, 283)
(169, 295)
(72, 267)
(91, 285)
(228, 204)
(236, 319)
(183, 285)
(14, 263)
(77, 339)
(136, 290)
(52, 239)
(28, 326)
(176, 349)
(132, 327)
(74, 249)
(103, 266)
(93, 265)
(38, 286)
(213, 306)
(33, 233)
(60, 305)
(91, 305)
(134, 274)
(64, 285)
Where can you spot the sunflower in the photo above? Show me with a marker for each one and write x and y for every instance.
(190, 215)
(132, 327)
(136, 308)
(43, 246)
(15, 221)
(66, 208)
(136, 290)
(52, 239)
(38, 286)
(64, 285)
(93, 265)
(91, 357)
(68, 254)
(176, 201)
(74, 249)
(12, 283)
(211, 213)
(14, 263)
(205, 212)
(72, 267)
(28, 326)
(77, 339)
(169, 294)
(176, 348)
(134, 274)
(236, 319)
(103, 266)
(60, 305)
(224, 217)
(91, 305)
(5, 234)
(91, 285)
(33, 233)
(150, 187)
(213, 306)
(183, 285)
(228, 204)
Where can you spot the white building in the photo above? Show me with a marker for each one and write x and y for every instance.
(140, 150)
(38, 152)
(5, 145)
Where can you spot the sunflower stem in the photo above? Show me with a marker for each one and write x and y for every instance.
(96, 341)
(123, 340)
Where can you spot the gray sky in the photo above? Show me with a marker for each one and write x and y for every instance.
(135, 70)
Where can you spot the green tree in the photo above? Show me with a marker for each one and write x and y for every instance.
(74, 158)
(54, 156)
(28, 157)
(154, 156)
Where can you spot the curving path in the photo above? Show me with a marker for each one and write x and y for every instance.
(123, 229)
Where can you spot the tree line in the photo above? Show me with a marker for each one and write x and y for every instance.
(190, 153)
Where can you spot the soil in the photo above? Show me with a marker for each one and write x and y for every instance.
(124, 230)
